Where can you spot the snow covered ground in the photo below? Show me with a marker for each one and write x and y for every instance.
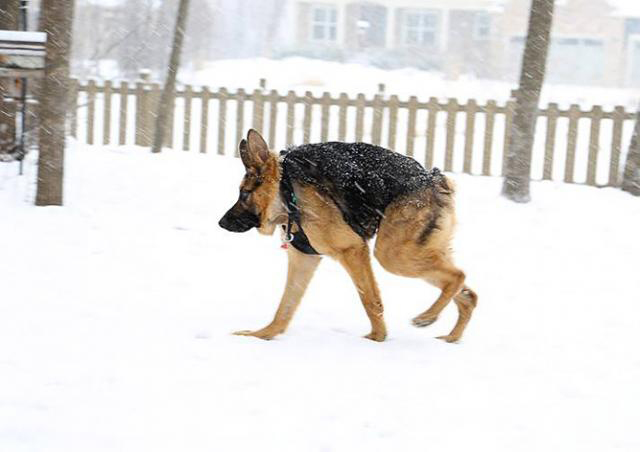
(116, 312)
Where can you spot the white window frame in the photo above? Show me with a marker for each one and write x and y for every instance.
(328, 24)
(479, 24)
(422, 27)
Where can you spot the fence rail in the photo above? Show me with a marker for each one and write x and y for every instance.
(464, 137)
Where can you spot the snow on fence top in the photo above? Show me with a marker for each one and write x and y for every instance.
(23, 36)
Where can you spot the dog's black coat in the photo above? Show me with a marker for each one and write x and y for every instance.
(362, 179)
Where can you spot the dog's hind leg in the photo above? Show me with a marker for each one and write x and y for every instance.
(450, 281)
(414, 241)
(357, 262)
(466, 301)
(299, 274)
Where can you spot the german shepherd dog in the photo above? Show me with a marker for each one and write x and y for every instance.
(330, 199)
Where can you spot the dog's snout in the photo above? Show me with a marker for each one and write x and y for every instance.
(239, 222)
(227, 223)
(224, 222)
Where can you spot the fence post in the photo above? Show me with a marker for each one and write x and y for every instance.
(156, 95)
(91, 110)
(432, 108)
(150, 117)
(186, 120)
(204, 120)
(241, 96)
(572, 138)
(550, 140)
(342, 116)
(308, 104)
(291, 116)
(142, 134)
(378, 110)
(594, 144)
(258, 110)
(222, 119)
(394, 102)
(106, 113)
(124, 101)
(616, 146)
(141, 106)
(360, 102)
(324, 120)
(489, 124)
(452, 112)
(273, 117)
(411, 125)
(469, 132)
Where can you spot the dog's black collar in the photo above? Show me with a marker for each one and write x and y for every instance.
(298, 239)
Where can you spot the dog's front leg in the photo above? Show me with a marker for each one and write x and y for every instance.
(301, 270)
(357, 262)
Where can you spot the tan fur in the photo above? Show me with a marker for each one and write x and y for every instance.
(398, 248)
(264, 198)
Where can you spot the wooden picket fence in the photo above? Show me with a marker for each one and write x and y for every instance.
(359, 118)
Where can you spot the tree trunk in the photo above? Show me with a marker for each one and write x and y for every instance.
(57, 23)
(631, 178)
(166, 100)
(9, 14)
(9, 20)
(534, 61)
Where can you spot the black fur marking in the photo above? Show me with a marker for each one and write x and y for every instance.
(439, 197)
(239, 219)
(432, 225)
(362, 179)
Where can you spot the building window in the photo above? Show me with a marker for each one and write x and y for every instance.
(421, 28)
(566, 41)
(593, 42)
(481, 26)
(324, 20)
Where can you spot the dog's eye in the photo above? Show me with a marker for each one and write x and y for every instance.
(244, 195)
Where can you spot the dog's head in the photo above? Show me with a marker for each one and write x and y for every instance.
(257, 205)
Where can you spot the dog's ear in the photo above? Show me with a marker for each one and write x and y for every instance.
(254, 150)
(244, 152)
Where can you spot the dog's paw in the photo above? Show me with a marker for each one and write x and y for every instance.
(449, 338)
(260, 334)
(375, 336)
(424, 320)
